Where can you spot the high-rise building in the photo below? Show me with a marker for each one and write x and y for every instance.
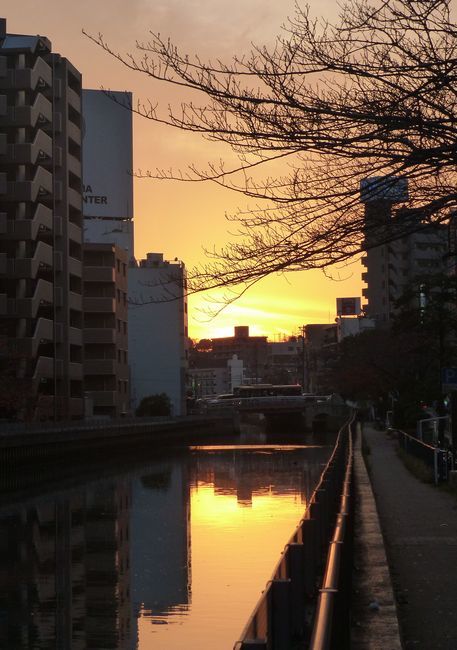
(40, 227)
(393, 266)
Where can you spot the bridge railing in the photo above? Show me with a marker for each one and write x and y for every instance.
(279, 618)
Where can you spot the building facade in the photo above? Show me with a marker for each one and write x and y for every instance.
(252, 350)
(106, 370)
(394, 266)
(40, 228)
(158, 330)
(107, 169)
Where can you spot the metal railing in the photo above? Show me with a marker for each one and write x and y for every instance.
(440, 461)
(433, 428)
(281, 616)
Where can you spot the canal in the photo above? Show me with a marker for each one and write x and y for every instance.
(159, 553)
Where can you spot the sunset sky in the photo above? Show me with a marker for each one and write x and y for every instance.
(170, 217)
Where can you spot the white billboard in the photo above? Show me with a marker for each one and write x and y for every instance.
(107, 154)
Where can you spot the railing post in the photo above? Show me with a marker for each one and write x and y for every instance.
(309, 536)
(435, 464)
(296, 572)
(281, 615)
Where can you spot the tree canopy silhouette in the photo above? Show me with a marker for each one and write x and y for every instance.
(373, 94)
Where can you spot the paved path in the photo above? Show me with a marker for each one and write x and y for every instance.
(419, 524)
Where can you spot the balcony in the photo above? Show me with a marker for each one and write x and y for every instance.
(44, 369)
(31, 229)
(74, 165)
(39, 76)
(29, 267)
(75, 301)
(44, 333)
(28, 307)
(73, 131)
(75, 199)
(75, 267)
(75, 336)
(40, 188)
(31, 153)
(74, 100)
(99, 335)
(75, 370)
(74, 232)
(99, 366)
(99, 274)
(99, 305)
(39, 114)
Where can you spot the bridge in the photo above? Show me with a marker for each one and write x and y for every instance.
(308, 411)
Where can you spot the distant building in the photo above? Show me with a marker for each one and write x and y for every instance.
(252, 350)
(209, 377)
(393, 266)
(158, 330)
(41, 225)
(285, 361)
(320, 349)
(353, 326)
(106, 370)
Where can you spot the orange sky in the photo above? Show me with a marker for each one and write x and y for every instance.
(175, 218)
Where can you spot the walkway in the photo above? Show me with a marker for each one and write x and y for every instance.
(419, 524)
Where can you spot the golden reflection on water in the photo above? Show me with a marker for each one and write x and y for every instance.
(241, 518)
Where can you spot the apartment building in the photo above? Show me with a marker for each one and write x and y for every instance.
(106, 371)
(394, 266)
(40, 228)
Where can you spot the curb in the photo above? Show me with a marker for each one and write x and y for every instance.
(374, 613)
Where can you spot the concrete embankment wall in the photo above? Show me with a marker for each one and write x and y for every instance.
(22, 446)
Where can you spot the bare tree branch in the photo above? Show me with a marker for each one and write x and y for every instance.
(330, 104)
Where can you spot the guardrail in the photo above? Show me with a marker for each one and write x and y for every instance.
(440, 461)
(281, 616)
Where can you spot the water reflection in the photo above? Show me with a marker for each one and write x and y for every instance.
(169, 555)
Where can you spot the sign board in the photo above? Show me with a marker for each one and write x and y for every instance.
(107, 154)
(449, 378)
(384, 188)
(348, 306)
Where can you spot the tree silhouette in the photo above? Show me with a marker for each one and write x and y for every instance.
(373, 94)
